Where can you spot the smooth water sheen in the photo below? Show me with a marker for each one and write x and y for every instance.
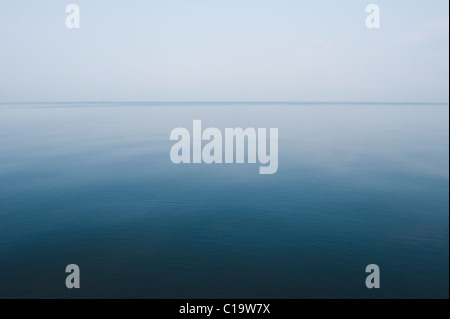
(92, 184)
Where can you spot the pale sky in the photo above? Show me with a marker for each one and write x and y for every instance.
(224, 50)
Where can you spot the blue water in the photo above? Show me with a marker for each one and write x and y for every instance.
(93, 184)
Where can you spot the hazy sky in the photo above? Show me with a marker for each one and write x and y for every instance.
(224, 50)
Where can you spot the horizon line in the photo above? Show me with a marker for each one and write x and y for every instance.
(230, 102)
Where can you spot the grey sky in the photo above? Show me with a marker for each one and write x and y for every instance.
(224, 50)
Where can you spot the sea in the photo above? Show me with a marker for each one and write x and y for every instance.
(92, 184)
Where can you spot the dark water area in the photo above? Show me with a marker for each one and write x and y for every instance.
(92, 184)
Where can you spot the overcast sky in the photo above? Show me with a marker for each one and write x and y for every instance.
(224, 50)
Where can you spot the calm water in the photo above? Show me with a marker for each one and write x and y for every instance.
(93, 184)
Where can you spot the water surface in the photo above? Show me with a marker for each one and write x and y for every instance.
(93, 184)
